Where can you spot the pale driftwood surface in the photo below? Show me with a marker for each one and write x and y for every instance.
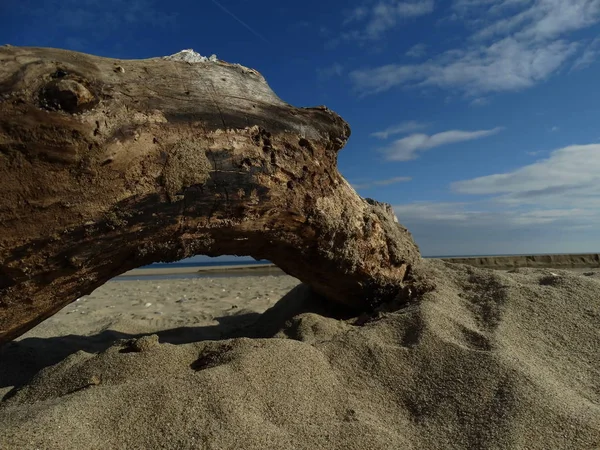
(107, 165)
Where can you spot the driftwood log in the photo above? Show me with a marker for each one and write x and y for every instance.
(107, 165)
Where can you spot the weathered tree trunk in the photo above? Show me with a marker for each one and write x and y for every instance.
(107, 165)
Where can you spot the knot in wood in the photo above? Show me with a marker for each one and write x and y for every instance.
(67, 95)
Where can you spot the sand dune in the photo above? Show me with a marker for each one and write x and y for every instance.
(489, 360)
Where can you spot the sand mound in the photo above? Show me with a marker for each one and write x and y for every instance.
(489, 360)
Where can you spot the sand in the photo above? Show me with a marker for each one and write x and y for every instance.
(488, 360)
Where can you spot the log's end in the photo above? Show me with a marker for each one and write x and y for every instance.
(401, 260)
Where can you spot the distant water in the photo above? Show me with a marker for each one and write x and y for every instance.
(188, 265)
(264, 261)
(464, 256)
(255, 272)
(176, 265)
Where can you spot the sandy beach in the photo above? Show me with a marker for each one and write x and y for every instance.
(491, 359)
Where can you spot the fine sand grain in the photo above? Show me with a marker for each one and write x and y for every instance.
(488, 360)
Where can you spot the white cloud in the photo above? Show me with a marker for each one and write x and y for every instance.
(588, 57)
(545, 19)
(401, 128)
(392, 181)
(433, 211)
(569, 178)
(464, 6)
(552, 205)
(545, 216)
(515, 45)
(480, 101)
(554, 128)
(356, 14)
(506, 65)
(417, 51)
(385, 182)
(573, 165)
(384, 15)
(409, 147)
(477, 215)
(476, 228)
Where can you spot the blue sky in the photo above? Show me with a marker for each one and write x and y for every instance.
(476, 119)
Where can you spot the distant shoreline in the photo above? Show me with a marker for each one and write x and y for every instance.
(151, 271)
(503, 262)
(553, 261)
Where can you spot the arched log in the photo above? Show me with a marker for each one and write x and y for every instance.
(107, 165)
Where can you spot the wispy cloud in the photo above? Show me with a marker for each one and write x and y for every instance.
(477, 228)
(401, 128)
(386, 182)
(417, 51)
(437, 211)
(551, 205)
(515, 45)
(466, 5)
(372, 20)
(568, 178)
(543, 19)
(506, 65)
(588, 57)
(546, 216)
(480, 101)
(535, 153)
(356, 15)
(408, 148)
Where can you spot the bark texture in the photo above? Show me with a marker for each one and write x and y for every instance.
(107, 165)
